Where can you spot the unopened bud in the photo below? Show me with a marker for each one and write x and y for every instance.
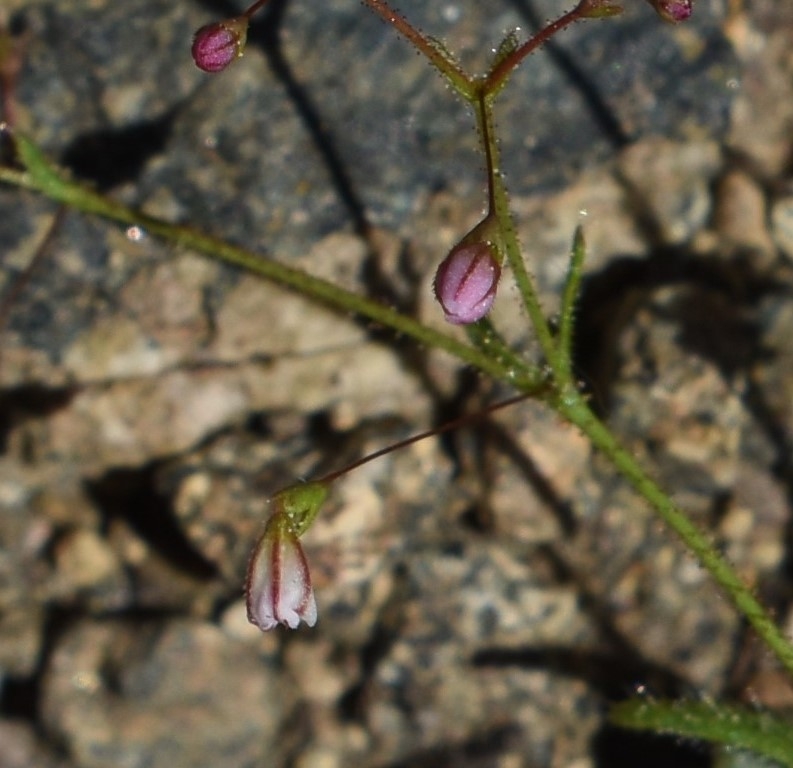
(673, 10)
(216, 45)
(466, 282)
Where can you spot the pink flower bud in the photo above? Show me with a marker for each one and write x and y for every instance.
(466, 282)
(278, 587)
(216, 45)
(673, 10)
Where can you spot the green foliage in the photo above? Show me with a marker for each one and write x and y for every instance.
(729, 726)
(507, 47)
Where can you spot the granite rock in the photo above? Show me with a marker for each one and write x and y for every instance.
(483, 595)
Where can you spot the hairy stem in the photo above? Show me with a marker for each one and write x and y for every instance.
(586, 9)
(461, 82)
(573, 408)
(508, 244)
(570, 293)
(43, 177)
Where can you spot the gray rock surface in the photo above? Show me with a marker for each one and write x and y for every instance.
(481, 597)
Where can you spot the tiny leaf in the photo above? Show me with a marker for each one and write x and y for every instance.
(446, 54)
(45, 175)
(507, 46)
(759, 732)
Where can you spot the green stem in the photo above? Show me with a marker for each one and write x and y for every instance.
(43, 177)
(485, 337)
(572, 406)
(508, 242)
(437, 55)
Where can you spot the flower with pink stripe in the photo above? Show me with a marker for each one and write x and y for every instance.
(278, 587)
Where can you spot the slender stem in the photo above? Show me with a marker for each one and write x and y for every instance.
(573, 408)
(440, 59)
(484, 336)
(490, 148)
(253, 8)
(44, 178)
(586, 9)
(447, 427)
(509, 242)
(498, 76)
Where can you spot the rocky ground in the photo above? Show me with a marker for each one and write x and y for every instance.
(483, 596)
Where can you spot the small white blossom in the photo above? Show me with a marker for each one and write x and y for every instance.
(278, 587)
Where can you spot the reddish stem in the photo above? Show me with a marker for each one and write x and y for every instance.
(458, 77)
(498, 75)
(11, 56)
(448, 426)
(255, 7)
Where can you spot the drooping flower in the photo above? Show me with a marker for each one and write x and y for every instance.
(278, 586)
(216, 45)
(466, 282)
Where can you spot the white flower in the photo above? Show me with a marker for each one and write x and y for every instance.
(278, 586)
